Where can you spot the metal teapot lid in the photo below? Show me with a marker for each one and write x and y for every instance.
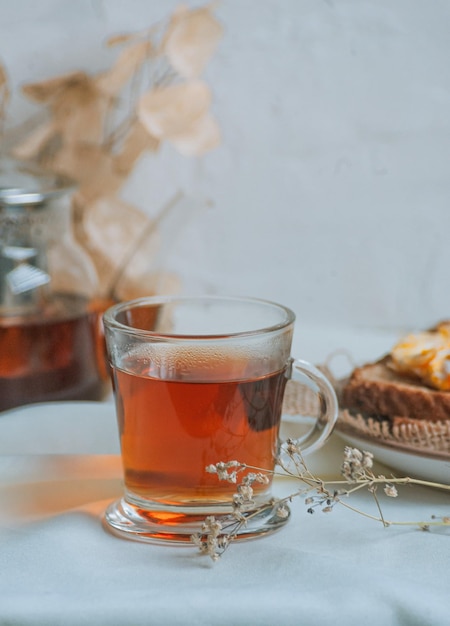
(21, 185)
(24, 277)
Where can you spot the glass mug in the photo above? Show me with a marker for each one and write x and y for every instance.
(198, 381)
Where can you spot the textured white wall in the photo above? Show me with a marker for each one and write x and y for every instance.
(332, 185)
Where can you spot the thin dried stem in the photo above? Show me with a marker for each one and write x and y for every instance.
(318, 493)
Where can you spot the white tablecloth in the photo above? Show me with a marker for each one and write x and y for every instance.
(59, 566)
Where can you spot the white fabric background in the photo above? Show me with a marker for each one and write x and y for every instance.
(320, 570)
(59, 566)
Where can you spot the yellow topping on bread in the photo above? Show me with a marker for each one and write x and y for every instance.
(425, 355)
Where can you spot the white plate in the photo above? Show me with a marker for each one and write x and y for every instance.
(422, 465)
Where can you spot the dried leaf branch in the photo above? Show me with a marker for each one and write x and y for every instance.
(96, 127)
(318, 494)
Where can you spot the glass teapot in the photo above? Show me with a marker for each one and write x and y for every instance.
(51, 344)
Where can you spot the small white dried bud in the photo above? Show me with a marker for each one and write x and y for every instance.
(391, 491)
(222, 473)
(211, 525)
(356, 463)
(352, 454)
(249, 479)
(367, 460)
(197, 541)
(246, 492)
(291, 447)
(283, 511)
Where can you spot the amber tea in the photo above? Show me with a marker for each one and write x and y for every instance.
(170, 430)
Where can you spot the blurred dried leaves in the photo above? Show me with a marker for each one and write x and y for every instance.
(96, 127)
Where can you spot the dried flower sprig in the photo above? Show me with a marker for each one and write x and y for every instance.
(357, 471)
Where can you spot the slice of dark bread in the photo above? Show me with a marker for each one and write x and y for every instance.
(376, 389)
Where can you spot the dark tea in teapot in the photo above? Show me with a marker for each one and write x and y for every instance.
(55, 355)
(51, 338)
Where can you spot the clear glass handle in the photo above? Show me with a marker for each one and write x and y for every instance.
(306, 374)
